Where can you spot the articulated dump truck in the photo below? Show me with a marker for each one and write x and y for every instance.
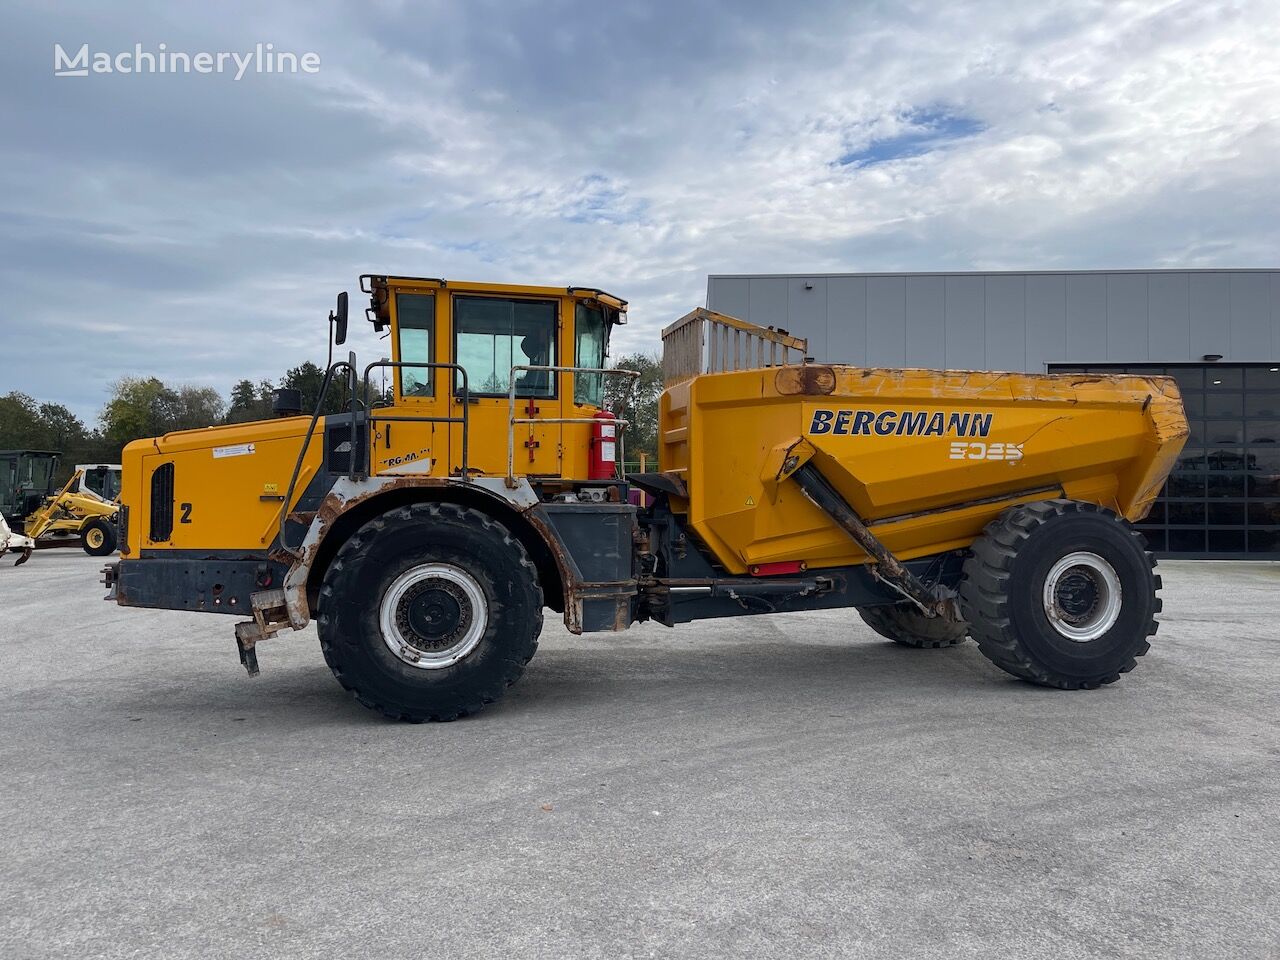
(425, 528)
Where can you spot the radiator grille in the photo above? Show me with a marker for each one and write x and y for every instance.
(162, 503)
(337, 452)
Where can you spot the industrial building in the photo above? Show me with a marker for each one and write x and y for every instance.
(1216, 331)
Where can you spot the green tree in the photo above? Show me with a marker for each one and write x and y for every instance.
(137, 408)
(249, 402)
(189, 408)
(20, 425)
(637, 401)
(307, 378)
(62, 429)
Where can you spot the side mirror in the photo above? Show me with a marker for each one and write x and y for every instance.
(339, 320)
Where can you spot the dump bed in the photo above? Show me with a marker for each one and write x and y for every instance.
(926, 457)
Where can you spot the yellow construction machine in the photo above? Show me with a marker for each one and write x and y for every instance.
(83, 511)
(75, 513)
(425, 535)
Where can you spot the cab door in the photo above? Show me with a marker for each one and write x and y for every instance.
(409, 436)
(492, 334)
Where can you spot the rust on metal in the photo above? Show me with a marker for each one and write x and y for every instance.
(805, 380)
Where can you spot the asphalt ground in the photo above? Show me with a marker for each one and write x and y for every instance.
(768, 787)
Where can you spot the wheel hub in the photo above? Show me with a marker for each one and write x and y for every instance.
(1076, 594)
(433, 615)
(1082, 596)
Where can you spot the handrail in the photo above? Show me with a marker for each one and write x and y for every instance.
(703, 341)
(370, 414)
(350, 366)
(512, 419)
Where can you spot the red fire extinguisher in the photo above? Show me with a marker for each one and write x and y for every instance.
(603, 461)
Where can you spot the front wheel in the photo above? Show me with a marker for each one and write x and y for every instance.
(429, 612)
(99, 538)
(1061, 593)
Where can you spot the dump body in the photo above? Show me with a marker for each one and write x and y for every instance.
(926, 457)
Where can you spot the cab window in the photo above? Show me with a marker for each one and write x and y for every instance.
(102, 481)
(589, 330)
(416, 315)
(493, 334)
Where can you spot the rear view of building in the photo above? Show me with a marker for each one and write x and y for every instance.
(1217, 332)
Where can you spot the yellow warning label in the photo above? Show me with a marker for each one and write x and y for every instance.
(271, 488)
(751, 501)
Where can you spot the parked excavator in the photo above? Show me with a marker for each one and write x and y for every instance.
(426, 537)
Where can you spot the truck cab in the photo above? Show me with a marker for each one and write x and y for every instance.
(26, 478)
(501, 374)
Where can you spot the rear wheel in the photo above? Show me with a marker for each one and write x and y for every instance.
(903, 623)
(429, 612)
(1061, 593)
(99, 538)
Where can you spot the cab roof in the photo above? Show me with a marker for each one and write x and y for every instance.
(371, 281)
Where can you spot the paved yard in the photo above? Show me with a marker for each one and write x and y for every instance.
(775, 787)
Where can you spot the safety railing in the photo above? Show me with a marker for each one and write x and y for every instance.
(512, 419)
(349, 367)
(703, 341)
(372, 416)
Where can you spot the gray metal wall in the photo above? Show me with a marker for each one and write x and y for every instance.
(1015, 321)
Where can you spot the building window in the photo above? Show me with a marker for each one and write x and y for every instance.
(1223, 497)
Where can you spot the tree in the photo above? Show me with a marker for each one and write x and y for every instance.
(20, 425)
(63, 430)
(308, 379)
(250, 402)
(189, 408)
(637, 401)
(138, 408)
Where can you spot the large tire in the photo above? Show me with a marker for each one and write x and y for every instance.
(429, 612)
(99, 538)
(1061, 593)
(903, 623)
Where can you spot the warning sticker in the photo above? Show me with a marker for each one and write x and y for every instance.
(239, 450)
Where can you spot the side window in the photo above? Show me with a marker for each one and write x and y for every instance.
(416, 316)
(493, 335)
(589, 335)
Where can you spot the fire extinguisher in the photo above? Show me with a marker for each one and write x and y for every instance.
(603, 461)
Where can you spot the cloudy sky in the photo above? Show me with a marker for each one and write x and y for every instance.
(197, 227)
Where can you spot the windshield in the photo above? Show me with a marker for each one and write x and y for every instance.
(37, 473)
(592, 334)
(103, 481)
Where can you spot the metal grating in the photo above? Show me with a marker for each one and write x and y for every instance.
(162, 503)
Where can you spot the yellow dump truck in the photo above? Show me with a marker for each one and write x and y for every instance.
(425, 534)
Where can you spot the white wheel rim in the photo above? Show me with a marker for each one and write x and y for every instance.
(1082, 596)
(433, 615)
